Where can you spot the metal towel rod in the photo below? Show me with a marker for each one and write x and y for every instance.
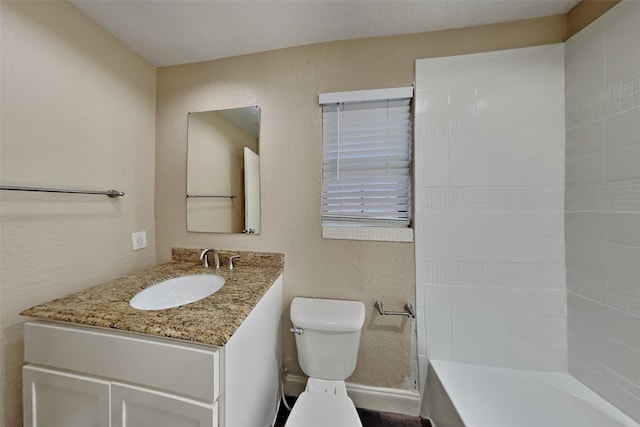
(110, 193)
(408, 310)
(191, 196)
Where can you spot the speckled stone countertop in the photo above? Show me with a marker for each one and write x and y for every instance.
(212, 320)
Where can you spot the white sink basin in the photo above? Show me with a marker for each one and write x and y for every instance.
(179, 291)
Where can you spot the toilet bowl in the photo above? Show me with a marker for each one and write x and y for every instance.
(323, 405)
(327, 340)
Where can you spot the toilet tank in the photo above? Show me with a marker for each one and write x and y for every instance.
(328, 346)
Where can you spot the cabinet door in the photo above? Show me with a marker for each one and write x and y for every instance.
(139, 407)
(59, 399)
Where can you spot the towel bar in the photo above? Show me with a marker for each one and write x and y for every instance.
(230, 196)
(109, 193)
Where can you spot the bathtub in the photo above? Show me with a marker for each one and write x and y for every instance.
(465, 395)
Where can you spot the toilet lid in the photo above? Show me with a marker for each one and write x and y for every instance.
(323, 410)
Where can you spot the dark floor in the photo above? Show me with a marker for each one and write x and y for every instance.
(369, 419)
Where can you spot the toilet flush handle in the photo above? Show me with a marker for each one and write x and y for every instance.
(297, 331)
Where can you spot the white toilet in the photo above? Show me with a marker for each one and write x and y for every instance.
(327, 339)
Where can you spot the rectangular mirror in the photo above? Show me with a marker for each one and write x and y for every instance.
(223, 171)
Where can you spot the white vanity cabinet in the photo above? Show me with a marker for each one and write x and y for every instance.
(90, 377)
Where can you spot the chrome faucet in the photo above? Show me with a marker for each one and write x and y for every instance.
(216, 257)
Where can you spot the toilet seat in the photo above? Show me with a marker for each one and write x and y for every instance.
(323, 410)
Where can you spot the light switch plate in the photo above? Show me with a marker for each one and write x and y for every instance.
(139, 240)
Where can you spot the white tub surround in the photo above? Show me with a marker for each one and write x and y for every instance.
(603, 206)
(489, 156)
(494, 180)
(486, 396)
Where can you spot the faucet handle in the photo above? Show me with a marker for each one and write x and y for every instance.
(231, 258)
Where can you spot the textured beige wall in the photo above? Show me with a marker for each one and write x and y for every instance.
(584, 13)
(78, 111)
(285, 84)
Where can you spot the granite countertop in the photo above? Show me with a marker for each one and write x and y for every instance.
(211, 320)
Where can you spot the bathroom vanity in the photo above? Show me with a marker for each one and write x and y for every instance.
(92, 360)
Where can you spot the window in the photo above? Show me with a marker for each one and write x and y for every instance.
(366, 168)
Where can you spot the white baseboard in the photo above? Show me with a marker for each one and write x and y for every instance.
(368, 397)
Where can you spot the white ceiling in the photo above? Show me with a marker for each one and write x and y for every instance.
(171, 32)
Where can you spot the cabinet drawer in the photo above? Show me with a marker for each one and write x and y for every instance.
(184, 369)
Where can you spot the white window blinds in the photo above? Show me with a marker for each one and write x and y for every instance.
(367, 158)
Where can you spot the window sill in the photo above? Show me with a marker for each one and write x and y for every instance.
(380, 234)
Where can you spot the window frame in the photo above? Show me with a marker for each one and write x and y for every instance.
(367, 231)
